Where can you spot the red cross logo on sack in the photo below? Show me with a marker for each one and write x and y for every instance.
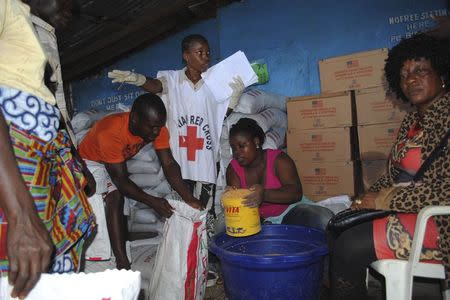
(191, 142)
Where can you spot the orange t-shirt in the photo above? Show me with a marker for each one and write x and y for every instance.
(110, 141)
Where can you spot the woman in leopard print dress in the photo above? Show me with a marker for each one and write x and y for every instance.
(417, 70)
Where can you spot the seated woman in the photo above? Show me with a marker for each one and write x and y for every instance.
(270, 174)
(418, 71)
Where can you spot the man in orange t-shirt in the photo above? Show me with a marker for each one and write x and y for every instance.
(115, 139)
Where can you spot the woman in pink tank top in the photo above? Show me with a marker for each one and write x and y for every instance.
(270, 174)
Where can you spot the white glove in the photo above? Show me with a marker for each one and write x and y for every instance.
(127, 77)
(237, 85)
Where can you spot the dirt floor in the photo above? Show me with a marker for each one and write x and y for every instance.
(216, 292)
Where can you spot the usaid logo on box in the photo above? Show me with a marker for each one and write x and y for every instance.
(316, 138)
(392, 132)
(320, 171)
(352, 64)
(317, 104)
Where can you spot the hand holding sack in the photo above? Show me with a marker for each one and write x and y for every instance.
(182, 256)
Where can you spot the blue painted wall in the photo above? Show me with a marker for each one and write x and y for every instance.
(290, 36)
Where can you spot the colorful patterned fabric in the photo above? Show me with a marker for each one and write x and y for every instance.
(29, 112)
(406, 154)
(56, 183)
(392, 237)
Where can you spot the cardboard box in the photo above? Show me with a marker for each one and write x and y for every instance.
(320, 111)
(373, 106)
(323, 180)
(375, 141)
(351, 72)
(371, 171)
(316, 145)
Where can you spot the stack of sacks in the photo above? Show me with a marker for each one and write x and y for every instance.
(254, 101)
(269, 111)
(144, 169)
(83, 121)
(146, 172)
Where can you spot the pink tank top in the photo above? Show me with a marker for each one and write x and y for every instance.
(272, 182)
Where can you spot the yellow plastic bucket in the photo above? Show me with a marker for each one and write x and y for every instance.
(240, 220)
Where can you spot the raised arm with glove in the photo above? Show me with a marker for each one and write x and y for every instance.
(127, 77)
(148, 84)
(237, 85)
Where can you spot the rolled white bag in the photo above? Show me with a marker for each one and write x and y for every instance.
(254, 101)
(109, 284)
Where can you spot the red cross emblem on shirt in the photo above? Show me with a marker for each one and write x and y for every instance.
(191, 142)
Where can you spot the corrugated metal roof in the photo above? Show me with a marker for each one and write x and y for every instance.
(98, 26)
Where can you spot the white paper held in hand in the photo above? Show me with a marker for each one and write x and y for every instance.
(218, 77)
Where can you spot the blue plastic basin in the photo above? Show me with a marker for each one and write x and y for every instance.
(280, 262)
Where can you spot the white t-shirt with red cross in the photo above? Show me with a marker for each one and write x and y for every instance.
(194, 119)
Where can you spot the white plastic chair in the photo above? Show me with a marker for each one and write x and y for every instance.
(399, 274)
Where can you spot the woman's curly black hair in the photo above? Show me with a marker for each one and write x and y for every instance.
(248, 127)
(417, 47)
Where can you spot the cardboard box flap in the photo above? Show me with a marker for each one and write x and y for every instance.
(318, 96)
(375, 141)
(354, 71)
(327, 144)
(320, 111)
(323, 180)
(361, 54)
(374, 105)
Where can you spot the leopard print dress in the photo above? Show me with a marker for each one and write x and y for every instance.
(435, 187)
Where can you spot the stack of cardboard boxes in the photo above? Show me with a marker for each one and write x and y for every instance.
(319, 139)
(340, 139)
(379, 117)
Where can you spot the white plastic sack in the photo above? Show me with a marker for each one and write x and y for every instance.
(254, 101)
(110, 284)
(94, 266)
(80, 135)
(145, 227)
(143, 167)
(142, 257)
(275, 138)
(86, 119)
(100, 174)
(336, 203)
(271, 117)
(145, 180)
(100, 247)
(225, 149)
(266, 119)
(144, 215)
(147, 153)
(182, 256)
(163, 188)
